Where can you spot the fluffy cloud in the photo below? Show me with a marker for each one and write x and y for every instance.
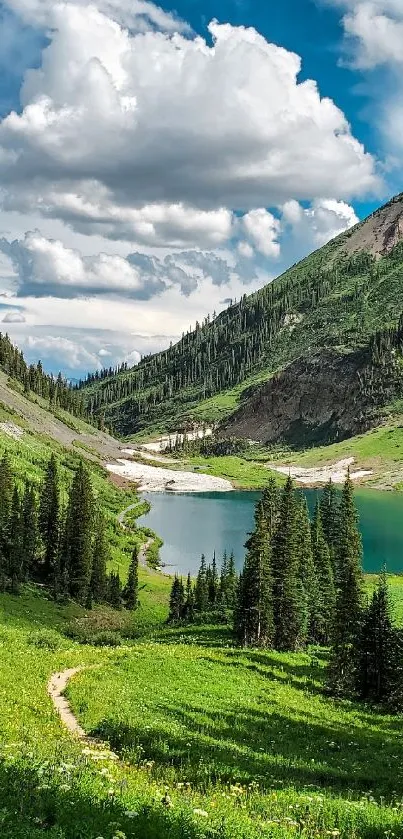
(137, 15)
(46, 267)
(151, 136)
(319, 223)
(376, 32)
(374, 42)
(262, 228)
(61, 352)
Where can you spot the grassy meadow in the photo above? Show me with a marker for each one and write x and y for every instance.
(203, 740)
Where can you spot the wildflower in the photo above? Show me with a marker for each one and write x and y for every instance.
(199, 812)
(131, 814)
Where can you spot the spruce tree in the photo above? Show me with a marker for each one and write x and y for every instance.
(271, 503)
(79, 532)
(30, 536)
(6, 494)
(213, 583)
(231, 583)
(285, 569)
(100, 558)
(223, 578)
(176, 600)
(376, 651)
(201, 589)
(324, 593)
(114, 590)
(329, 512)
(306, 574)
(15, 568)
(253, 618)
(49, 519)
(189, 607)
(348, 610)
(131, 590)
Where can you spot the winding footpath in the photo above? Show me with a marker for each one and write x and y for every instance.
(56, 686)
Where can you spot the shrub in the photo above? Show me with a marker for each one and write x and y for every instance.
(45, 639)
(106, 639)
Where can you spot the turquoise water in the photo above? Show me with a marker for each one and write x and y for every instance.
(213, 521)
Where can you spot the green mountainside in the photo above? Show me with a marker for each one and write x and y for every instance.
(345, 299)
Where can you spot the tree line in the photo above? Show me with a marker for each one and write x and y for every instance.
(302, 584)
(251, 335)
(62, 546)
(56, 390)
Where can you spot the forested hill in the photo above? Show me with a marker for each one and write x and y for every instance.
(346, 297)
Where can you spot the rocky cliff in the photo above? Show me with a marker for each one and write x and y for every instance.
(326, 397)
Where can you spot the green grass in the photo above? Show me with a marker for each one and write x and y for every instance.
(250, 738)
(243, 473)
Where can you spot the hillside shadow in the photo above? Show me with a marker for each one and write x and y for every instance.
(245, 745)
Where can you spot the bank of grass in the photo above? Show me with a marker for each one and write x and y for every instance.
(244, 473)
(215, 742)
(248, 741)
(379, 450)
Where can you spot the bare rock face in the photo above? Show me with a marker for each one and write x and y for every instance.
(380, 232)
(323, 398)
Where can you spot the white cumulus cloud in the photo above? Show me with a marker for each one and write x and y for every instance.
(319, 223)
(263, 230)
(157, 138)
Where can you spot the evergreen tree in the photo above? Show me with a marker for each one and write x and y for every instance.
(30, 536)
(306, 573)
(49, 519)
(189, 607)
(131, 590)
(376, 652)
(253, 619)
(231, 583)
(348, 611)
(201, 589)
(329, 512)
(15, 570)
(213, 583)
(6, 494)
(79, 531)
(271, 503)
(285, 570)
(176, 600)
(100, 558)
(223, 578)
(115, 590)
(324, 594)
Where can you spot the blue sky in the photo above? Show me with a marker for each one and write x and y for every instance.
(155, 165)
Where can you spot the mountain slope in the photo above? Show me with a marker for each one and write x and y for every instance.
(336, 299)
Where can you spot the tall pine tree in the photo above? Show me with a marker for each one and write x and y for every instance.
(131, 590)
(324, 593)
(100, 558)
(49, 520)
(253, 619)
(79, 532)
(285, 570)
(348, 610)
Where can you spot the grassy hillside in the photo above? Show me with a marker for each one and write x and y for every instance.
(213, 741)
(338, 298)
